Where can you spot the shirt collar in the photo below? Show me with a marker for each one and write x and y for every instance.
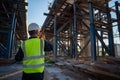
(32, 37)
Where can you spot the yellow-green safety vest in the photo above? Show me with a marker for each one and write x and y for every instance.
(33, 61)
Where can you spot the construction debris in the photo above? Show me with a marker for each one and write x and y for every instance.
(85, 70)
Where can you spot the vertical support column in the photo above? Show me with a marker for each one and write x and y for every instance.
(110, 33)
(55, 39)
(75, 31)
(13, 37)
(118, 16)
(103, 52)
(58, 46)
(71, 41)
(67, 42)
(10, 36)
(92, 32)
(97, 47)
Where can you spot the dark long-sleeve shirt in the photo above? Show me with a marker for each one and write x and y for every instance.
(19, 56)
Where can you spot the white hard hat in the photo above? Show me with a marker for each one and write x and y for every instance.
(33, 26)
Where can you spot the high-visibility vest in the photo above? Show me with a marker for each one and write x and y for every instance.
(33, 61)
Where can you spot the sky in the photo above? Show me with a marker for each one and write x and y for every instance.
(36, 10)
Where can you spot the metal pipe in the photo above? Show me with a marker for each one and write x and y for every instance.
(71, 41)
(55, 39)
(103, 52)
(110, 33)
(92, 32)
(75, 31)
(13, 37)
(10, 36)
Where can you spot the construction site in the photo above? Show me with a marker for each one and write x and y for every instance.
(85, 35)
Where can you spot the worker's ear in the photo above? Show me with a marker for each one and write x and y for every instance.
(41, 31)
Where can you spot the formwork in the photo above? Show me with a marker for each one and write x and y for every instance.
(13, 26)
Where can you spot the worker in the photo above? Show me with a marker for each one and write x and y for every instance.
(31, 52)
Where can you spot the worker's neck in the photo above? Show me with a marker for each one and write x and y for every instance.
(33, 36)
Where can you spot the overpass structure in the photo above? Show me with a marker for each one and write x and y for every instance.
(82, 28)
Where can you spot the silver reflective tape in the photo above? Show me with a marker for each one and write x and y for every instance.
(41, 47)
(33, 57)
(33, 66)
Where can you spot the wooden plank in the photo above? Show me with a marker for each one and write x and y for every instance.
(114, 69)
(6, 61)
(111, 60)
(99, 74)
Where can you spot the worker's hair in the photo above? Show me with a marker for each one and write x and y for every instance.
(33, 32)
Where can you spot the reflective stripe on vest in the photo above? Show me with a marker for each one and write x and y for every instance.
(28, 60)
(33, 57)
(33, 66)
